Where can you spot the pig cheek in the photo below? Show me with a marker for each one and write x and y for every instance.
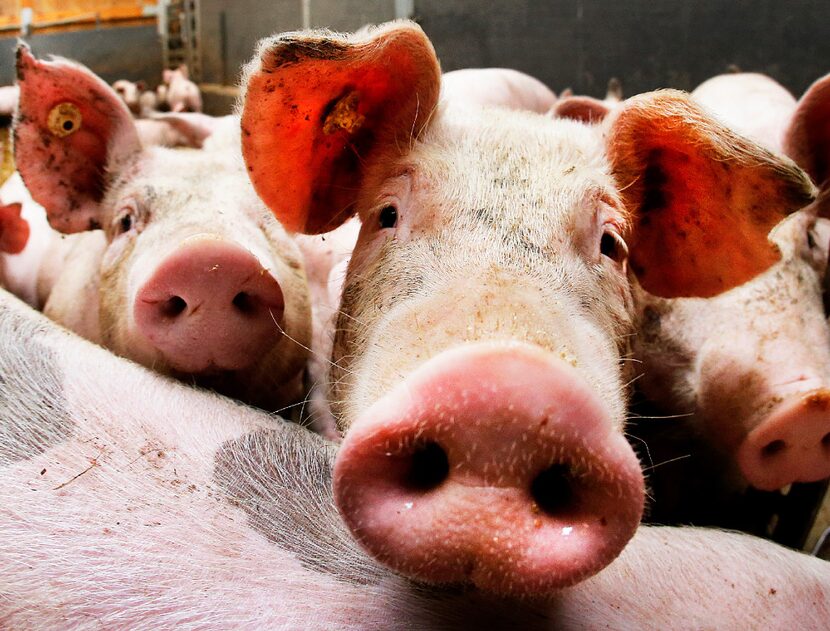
(726, 388)
(115, 313)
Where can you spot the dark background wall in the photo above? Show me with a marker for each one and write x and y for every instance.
(566, 43)
(114, 53)
(646, 43)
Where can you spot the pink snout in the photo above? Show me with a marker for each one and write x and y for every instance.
(791, 445)
(491, 464)
(210, 306)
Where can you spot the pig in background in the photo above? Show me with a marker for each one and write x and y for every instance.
(501, 87)
(178, 93)
(478, 369)
(130, 501)
(189, 273)
(723, 378)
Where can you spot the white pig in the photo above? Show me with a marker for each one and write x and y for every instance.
(500, 87)
(181, 94)
(190, 274)
(477, 366)
(752, 104)
(129, 501)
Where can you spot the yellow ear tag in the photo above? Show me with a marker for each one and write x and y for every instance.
(64, 119)
(344, 115)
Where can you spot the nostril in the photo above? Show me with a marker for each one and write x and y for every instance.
(244, 302)
(552, 489)
(773, 448)
(428, 468)
(825, 441)
(173, 307)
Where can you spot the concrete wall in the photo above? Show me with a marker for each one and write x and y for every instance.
(230, 30)
(647, 44)
(113, 53)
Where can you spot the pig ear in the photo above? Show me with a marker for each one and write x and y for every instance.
(14, 230)
(582, 108)
(807, 140)
(702, 199)
(70, 132)
(319, 107)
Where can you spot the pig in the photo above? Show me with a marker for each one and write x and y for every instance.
(131, 501)
(8, 101)
(29, 272)
(183, 129)
(14, 229)
(752, 104)
(742, 407)
(587, 108)
(743, 380)
(499, 87)
(478, 369)
(180, 93)
(129, 92)
(147, 103)
(181, 267)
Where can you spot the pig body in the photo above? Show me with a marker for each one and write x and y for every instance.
(180, 93)
(476, 367)
(128, 92)
(184, 129)
(158, 505)
(190, 274)
(752, 104)
(8, 101)
(499, 87)
(28, 273)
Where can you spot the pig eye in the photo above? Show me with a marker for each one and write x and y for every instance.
(64, 119)
(612, 246)
(811, 238)
(126, 223)
(388, 217)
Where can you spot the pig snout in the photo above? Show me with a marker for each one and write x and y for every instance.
(494, 464)
(210, 305)
(792, 444)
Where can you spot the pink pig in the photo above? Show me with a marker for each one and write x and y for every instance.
(476, 369)
(189, 274)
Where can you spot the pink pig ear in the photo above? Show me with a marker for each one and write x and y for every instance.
(702, 199)
(582, 108)
(807, 140)
(14, 230)
(319, 107)
(70, 133)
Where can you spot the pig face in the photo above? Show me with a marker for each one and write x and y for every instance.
(486, 309)
(751, 366)
(197, 279)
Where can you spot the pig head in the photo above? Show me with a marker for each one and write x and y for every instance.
(742, 376)
(479, 368)
(190, 274)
